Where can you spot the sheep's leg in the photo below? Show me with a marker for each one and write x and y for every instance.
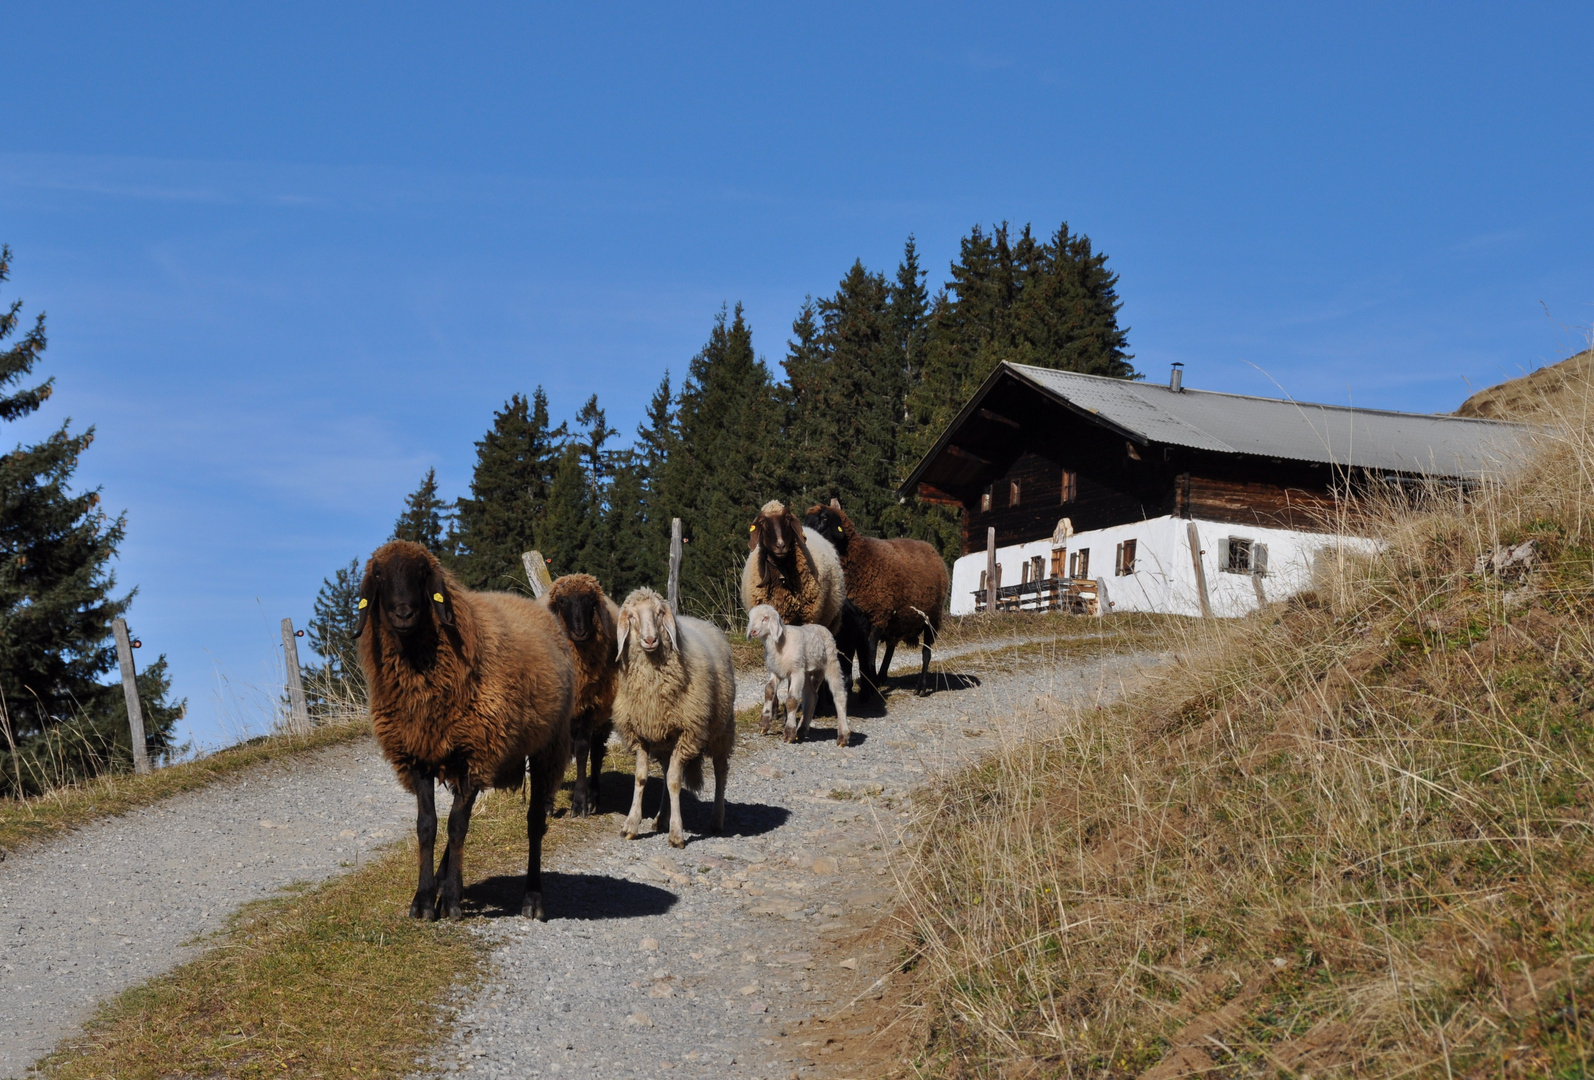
(424, 906)
(810, 705)
(633, 820)
(885, 664)
(838, 691)
(722, 767)
(924, 668)
(580, 800)
(662, 822)
(597, 748)
(794, 716)
(672, 781)
(453, 878)
(767, 714)
(536, 827)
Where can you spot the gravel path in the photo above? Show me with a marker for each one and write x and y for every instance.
(722, 960)
(122, 900)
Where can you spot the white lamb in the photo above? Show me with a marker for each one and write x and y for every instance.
(798, 656)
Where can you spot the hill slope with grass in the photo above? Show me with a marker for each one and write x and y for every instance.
(1350, 835)
(1534, 393)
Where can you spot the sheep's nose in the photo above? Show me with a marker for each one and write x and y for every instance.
(649, 642)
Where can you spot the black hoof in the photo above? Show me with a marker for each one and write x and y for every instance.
(423, 907)
(531, 908)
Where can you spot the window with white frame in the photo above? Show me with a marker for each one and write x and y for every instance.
(1125, 562)
(1241, 555)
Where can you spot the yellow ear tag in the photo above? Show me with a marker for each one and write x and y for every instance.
(438, 597)
(752, 528)
(363, 602)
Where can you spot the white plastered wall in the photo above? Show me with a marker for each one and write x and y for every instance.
(1164, 579)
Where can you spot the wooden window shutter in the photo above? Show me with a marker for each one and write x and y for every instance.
(1012, 492)
(1223, 554)
(1258, 558)
(1070, 490)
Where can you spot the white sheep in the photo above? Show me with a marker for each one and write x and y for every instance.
(675, 702)
(798, 656)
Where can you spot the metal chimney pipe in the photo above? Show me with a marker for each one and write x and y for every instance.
(1176, 380)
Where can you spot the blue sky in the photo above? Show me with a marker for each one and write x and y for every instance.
(294, 255)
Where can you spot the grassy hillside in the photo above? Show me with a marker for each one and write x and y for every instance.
(1534, 392)
(1348, 836)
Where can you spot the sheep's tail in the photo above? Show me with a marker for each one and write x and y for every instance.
(929, 627)
(692, 774)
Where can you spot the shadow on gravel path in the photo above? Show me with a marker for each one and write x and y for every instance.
(570, 896)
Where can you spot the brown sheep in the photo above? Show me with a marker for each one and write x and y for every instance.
(589, 619)
(901, 585)
(793, 570)
(465, 686)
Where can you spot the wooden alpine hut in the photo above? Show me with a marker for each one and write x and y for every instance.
(1091, 493)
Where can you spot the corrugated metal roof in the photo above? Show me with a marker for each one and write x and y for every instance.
(1300, 431)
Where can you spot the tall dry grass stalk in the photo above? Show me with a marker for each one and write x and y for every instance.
(1350, 835)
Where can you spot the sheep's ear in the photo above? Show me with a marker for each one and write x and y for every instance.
(778, 632)
(622, 629)
(667, 624)
(367, 598)
(442, 605)
(752, 536)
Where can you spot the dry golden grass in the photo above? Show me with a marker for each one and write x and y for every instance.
(1348, 836)
(28, 821)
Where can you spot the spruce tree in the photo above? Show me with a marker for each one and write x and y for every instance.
(57, 598)
(847, 375)
(565, 533)
(424, 516)
(725, 463)
(331, 633)
(658, 438)
(622, 564)
(1051, 304)
(515, 463)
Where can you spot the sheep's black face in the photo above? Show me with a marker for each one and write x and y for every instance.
(827, 523)
(402, 584)
(403, 594)
(578, 612)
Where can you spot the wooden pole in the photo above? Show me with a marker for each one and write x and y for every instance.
(135, 715)
(1200, 571)
(990, 569)
(673, 590)
(536, 573)
(299, 710)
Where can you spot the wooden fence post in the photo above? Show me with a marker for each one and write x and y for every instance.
(135, 715)
(990, 569)
(536, 573)
(299, 709)
(673, 589)
(1200, 570)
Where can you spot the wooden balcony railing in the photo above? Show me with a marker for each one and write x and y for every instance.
(1078, 595)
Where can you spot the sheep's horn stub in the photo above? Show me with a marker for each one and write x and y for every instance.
(835, 504)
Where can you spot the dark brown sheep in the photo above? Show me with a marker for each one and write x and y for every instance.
(901, 585)
(588, 617)
(465, 687)
(792, 569)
